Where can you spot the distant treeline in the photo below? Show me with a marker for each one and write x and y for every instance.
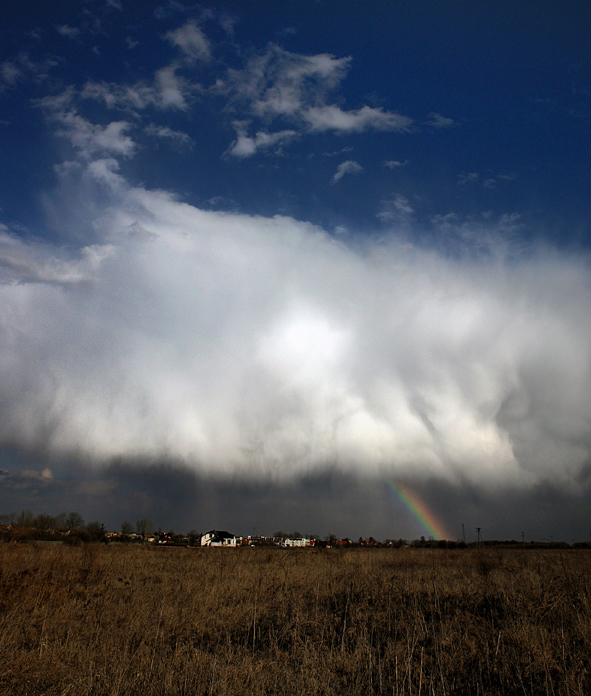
(67, 526)
(71, 528)
(43, 527)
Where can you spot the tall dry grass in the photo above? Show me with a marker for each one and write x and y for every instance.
(129, 620)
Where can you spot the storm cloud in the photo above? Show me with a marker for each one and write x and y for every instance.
(265, 348)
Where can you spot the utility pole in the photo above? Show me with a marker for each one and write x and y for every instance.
(463, 533)
(523, 538)
(478, 530)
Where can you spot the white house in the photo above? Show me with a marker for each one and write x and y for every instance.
(218, 538)
(296, 542)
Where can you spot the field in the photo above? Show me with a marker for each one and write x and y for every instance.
(119, 619)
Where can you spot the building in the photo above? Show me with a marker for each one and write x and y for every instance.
(301, 543)
(218, 538)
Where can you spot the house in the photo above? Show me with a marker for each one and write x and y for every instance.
(300, 542)
(218, 538)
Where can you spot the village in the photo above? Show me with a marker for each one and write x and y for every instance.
(220, 538)
(216, 538)
(71, 530)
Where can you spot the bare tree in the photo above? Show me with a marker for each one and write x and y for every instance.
(126, 528)
(25, 519)
(75, 521)
(144, 526)
(61, 521)
(44, 522)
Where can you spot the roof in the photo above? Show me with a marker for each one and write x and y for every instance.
(220, 534)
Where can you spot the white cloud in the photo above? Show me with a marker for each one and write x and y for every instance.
(10, 73)
(397, 209)
(439, 121)
(96, 146)
(246, 146)
(178, 138)
(167, 91)
(274, 90)
(104, 171)
(348, 167)
(91, 139)
(401, 203)
(294, 87)
(468, 178)
(227, 22)
(67, 168)
(35, 262)
(192, 41)
(333, 118)
(265, 346)
(339, 152)
(68, 32)
(57, 103)
(170, 88)
(280, 83)
(14, 71)
(394, 164)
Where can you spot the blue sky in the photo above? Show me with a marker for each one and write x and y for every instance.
(263, 242)
(491, 102)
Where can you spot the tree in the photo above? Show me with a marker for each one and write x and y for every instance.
(96, 530)
(75, 521)
(61, 521)
(44, 522)
(126, 528)
(194, 537)
(144, 526)
(25, 519)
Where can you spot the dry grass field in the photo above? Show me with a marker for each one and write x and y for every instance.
(156, 621)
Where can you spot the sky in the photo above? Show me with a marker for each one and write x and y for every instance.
(262, 265)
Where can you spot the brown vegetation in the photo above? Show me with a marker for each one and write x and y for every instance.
(130, 620)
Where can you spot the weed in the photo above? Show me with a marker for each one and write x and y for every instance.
(132, 620)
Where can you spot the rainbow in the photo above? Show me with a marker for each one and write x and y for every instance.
(419, 510)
